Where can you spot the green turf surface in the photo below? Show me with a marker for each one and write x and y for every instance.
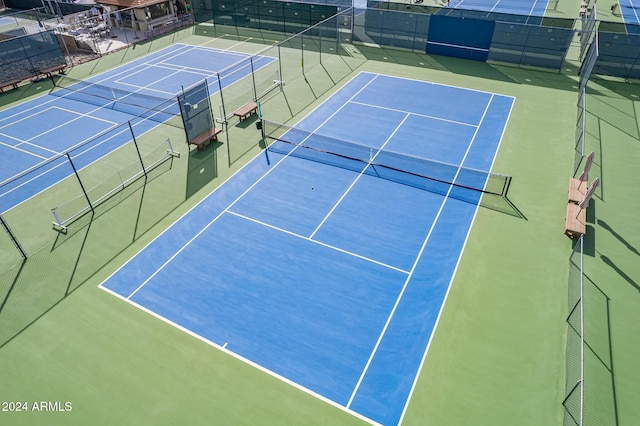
(498, 353)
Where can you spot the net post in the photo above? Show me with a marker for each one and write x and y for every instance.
(84, 191)
(507, 184)
(280, 68)
(57, 223)
(170, 151)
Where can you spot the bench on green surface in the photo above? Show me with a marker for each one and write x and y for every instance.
(11, 83)
(575, 224)
(203, 138)
(50, 70)
(246, 110)
(577, 190)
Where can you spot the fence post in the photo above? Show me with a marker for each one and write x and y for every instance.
(224, 111)
(135, 143)
(84, 191)
(5, 225)
(253, 77)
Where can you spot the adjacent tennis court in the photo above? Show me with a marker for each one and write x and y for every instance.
(84, 115)
(531, 7)
(629, 12)
(327, 259)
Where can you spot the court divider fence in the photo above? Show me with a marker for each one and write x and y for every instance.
(573, 401)
(309, 63)
(618, 51)
(588, 29)
(590, 59)
(516, 39)
(269, 15)
(96, 170)
(29, 56)
(69, 185)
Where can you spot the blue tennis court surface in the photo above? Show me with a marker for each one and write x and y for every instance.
(629, 11)
(324, 276)
(34, 132)
(518, 7)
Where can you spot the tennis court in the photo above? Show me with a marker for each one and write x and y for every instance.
(531, 7)
(330, 271)
(629, 12)
(84, 115)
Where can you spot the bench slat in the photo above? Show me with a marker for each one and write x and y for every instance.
(246, 110)
(12, 83)
(202, 139)
(577, 190)
(576, 221)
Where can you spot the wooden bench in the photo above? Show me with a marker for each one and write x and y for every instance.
(49, 71)
(583, 8)
(205, 137)
(576, 221)
(12, 83)
(577, 190)
(246, 110)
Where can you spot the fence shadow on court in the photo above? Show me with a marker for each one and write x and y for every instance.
(501, 204)
(34, 287)
(202, 168)
(600, 405)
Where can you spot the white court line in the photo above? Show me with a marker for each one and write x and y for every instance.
(415, 264)
(215, 219)
(335, 206)
(209, 49)
(635, 11)
(39, 147)
(183, 47)
(228, 49)
(79, 116)
(55, 98)
(444, 301)
(75, 147)
(224, 348)
(167, 66)
(209, 74)
(310, 239)
(12, 137)
(413, 113)
(17, 148)
(533, 7)
(84, 114)
(53, 107)
(69, 148)
(189, 211)
(440, 84)
(229, 206)
(127, 68)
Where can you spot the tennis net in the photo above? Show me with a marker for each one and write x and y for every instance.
(410, 170)
(137, 104)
